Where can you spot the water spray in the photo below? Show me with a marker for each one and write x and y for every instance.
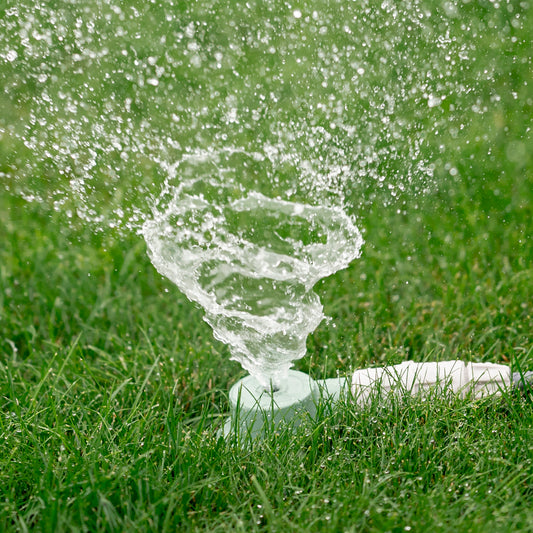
(243, 148)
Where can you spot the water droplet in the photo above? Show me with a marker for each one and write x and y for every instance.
(11, 55)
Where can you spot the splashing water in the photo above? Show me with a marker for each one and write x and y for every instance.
(361, 97)
(250, 261)
(242, 141)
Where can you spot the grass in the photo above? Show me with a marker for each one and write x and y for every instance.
(112, 389)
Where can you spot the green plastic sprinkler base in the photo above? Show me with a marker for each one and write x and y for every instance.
(254, 409)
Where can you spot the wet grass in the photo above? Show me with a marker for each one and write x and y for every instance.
(112, 388)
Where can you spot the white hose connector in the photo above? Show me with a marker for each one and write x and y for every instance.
(478, 379)
(253, 409)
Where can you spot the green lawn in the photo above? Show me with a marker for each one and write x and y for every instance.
(112, 388)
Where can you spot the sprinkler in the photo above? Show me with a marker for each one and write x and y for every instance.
(255, 408)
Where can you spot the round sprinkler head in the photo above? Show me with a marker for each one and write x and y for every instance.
(254, 408)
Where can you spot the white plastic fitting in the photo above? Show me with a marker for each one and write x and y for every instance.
(253, 408)
(478, 379)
